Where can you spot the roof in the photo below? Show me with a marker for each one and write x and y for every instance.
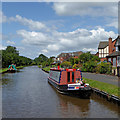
(77, 53)
(116, 53)
(56, 69)
(61, 69)
(117, 41)
(103, 44)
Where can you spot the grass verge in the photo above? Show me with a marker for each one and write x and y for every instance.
(110, 89)
(47, 68)
(5, 69)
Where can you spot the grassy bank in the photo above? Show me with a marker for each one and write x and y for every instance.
(47, 68)
(110, 89)
(5, 69)
(19, 67)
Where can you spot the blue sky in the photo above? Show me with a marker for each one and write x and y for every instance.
(52, 28)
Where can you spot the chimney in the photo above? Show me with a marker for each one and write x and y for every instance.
(110, 45)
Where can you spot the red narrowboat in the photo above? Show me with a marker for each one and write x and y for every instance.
(69, 81)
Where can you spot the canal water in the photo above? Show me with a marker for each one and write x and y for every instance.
(27, 94)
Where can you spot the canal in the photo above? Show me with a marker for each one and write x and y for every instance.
(27, 94)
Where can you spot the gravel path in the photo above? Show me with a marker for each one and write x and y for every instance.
(101, 77)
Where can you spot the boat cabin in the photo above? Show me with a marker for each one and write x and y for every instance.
(65, 76)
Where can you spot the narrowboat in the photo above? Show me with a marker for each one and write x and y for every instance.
(11, 71)
(69, 81)
(12, 68)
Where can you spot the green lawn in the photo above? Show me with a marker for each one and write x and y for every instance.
(47, 68)
(110, 89)
(5, 69)
(19, 67)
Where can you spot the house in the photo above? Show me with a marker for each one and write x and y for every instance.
(106, 48)
(114, 57)
(66, 56)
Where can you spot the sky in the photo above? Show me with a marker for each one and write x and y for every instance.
(51, 28)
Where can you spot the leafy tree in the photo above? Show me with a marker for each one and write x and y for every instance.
(40, 59)
(66, 64)
(95, 58)
(50, 61)
(11, 55)
(104, 68)
(72, 60)
(11, 49)
(85, 57)
(89, 66)
(76, 66)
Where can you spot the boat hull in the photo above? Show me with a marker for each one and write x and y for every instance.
(11, 71)
(63, 89)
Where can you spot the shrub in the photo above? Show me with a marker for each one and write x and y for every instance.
(76, 66)
(104, 68)
(89, 66)
(66, 64)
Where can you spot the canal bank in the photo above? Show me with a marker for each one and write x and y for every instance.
(5, 70)
(108, 91)
(27, 94)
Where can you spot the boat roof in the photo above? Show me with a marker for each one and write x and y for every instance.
(56, 69)
(60, 69)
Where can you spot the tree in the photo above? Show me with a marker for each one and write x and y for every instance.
(11, 49)
(95, 58)
(72, 60)
(11, 55)
(66, 64)
(85, 57)
(40, 59)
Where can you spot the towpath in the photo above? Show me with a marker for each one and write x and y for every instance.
(101, 77)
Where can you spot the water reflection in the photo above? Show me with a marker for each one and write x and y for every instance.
(73, 106)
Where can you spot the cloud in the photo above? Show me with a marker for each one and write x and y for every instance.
(89, 49)
(79, 39)
(113, 23)
(85, 9)
(33, 25)
(44, 51)
(10, 42)
(34, 38)
(2, 47)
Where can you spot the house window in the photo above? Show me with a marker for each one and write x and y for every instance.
(109, 59)
(116, 48)
(99, 50)
(118, 60)
(114, 62)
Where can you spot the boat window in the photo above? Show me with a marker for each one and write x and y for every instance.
(68, 76)
(55, 75)
(72, 76)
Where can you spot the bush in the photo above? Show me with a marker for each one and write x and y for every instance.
(89, 66)
(104, 68)
(76, 66)
(66, 64)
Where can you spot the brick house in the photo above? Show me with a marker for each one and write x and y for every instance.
(114, 57)
(105, 48)
(66, 56)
